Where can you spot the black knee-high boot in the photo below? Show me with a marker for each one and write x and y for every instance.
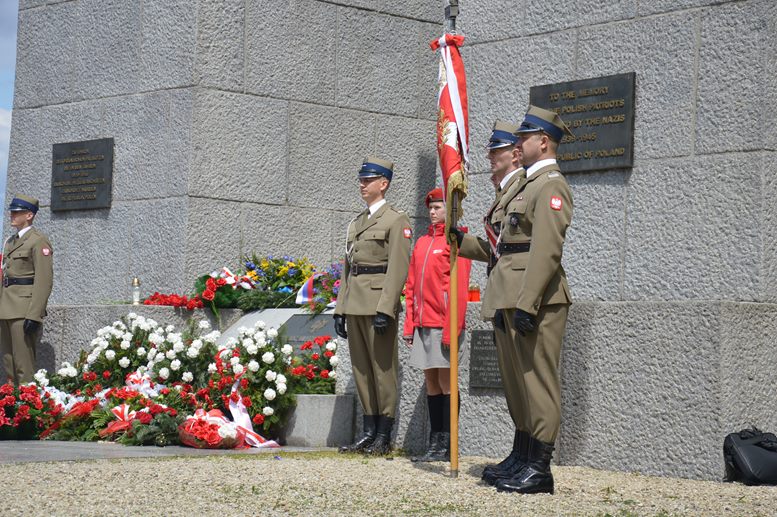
(435, 405)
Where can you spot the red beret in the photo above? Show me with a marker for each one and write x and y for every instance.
(434, 195)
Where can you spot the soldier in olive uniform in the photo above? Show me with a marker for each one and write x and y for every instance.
(28, 273)
(528, 293)
(377, 255)
(504, 156)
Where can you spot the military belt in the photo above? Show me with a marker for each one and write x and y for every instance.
(513, 247)
(358, 269)
(17, 281)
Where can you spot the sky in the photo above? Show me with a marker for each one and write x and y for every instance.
(8, 17)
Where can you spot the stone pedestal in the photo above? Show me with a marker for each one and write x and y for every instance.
(320, 421)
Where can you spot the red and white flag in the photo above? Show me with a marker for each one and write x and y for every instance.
(452, 118)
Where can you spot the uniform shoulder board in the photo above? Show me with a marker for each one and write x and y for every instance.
(554, 174)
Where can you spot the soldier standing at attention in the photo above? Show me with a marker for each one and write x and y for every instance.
(28, 273)
(536, 216)
(377, 255)
(504, 155)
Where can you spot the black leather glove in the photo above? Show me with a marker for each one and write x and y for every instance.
(453, 230)
(380, 323)
(524, 322)
(340, 326)
(31, 326)
(499, 320)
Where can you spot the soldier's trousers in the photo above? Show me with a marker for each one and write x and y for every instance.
(375, 361)
(18, 350)
(529, 368)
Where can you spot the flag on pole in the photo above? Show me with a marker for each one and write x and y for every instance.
(452, 119)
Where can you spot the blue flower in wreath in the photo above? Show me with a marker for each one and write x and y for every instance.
(291, 272)
(284, 290)
(250, 265)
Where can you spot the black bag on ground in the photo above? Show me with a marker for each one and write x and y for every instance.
(751, 457)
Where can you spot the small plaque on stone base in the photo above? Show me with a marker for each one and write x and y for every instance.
(304, 327)
(483, 362)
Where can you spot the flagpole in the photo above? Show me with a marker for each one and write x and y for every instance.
(451, 11)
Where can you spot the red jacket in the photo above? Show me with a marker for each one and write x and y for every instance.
(426, 290)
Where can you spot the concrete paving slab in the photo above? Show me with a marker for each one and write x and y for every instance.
(49, 450)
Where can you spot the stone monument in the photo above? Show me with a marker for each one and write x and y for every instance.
(238, 126)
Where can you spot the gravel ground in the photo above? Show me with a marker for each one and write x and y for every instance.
(325, 483)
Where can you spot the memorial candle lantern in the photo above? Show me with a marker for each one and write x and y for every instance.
(136, 291)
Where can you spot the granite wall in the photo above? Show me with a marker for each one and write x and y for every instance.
(239, 127)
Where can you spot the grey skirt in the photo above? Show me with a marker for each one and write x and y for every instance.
(428, 350)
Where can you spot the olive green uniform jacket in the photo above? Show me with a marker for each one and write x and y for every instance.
(29, 256)
(384, 238)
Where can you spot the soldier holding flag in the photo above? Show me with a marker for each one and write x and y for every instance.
(528, 295)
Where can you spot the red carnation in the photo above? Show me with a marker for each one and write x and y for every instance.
(106, 374)
(213, 438)
(143, 417)
(209, 295)
(220, 282)
(259, 419)
(315, 357)
(328, 354)
(247, 401)
(324, 374)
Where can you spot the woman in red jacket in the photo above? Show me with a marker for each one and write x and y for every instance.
(427, 321)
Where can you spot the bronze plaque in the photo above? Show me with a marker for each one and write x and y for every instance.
(483, 363)
(304, 327)
(82, 175)
(600, 113)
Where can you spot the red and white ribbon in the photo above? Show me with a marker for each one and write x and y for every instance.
(243, 419)
(142, 384)
(124, 416)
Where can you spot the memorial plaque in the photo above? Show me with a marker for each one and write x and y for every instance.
(600, 113)
(82, 175)
(304, 327)
(483, 363)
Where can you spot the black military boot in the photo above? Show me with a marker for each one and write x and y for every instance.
(431, 449)
(381, 446)
(509, 466)
(443, 447)
(367, 437)
(436, 411)
(535, 477)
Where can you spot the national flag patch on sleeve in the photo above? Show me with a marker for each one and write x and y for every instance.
(408, 233)
(46, 251)
(555, 202)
